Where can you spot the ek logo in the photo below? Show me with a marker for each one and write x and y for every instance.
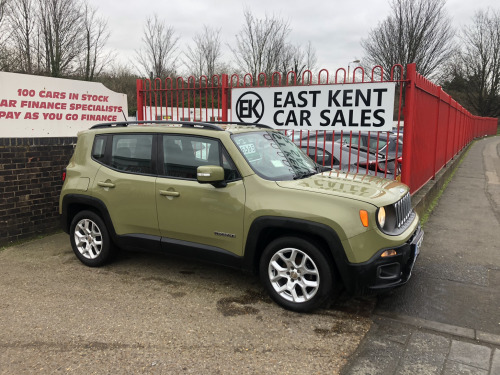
(250, 107)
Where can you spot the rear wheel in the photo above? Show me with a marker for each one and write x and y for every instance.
(296, 274)
(90, 239)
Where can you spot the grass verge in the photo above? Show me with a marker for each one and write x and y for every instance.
(425, 217)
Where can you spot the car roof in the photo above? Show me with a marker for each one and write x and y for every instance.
(177, 126)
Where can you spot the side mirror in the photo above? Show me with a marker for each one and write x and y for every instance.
(211, 174)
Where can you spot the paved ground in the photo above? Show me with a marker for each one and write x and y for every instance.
(446, 320)
(161, 315)
(148, 314)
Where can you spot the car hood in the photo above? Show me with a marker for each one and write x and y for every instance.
(371, 189)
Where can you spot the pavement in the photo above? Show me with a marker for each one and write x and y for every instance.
(446, 320)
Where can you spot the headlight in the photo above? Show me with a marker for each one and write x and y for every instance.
(381, 217)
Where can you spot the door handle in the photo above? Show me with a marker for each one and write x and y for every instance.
(106, 184)
(168, 193)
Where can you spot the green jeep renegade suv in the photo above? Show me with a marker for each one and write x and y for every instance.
(244, 196)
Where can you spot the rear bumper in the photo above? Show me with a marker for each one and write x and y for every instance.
(379, 274)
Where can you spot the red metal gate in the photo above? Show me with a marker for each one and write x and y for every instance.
(435, 127)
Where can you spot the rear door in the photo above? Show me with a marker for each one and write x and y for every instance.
(126, 181)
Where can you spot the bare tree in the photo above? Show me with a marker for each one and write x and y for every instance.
(23, 24)
(475, 72)
(261, 44)
(417, 31)
(195, 61)
(297, 60)
(93, 58)
(156, 58)
(61, 32)
(212, 50)
(204, 57)
(5, 50)
(3, 11)
(311, 59)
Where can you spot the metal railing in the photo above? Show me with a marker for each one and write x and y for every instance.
(434, 127)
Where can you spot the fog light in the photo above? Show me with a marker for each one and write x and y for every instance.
(388, 253)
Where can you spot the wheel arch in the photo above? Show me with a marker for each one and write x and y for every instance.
(74, 203)
(265, 229)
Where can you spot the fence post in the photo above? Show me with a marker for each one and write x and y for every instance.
(225, 89)
(448, 124)
(409, 118)
(140, 100)
(436, 133)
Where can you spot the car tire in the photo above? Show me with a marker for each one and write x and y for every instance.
(90, 239)
(296, 274)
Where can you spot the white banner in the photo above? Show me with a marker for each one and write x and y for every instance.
(349, 107)
(36, 106)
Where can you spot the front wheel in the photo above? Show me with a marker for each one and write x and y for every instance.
(296, 274)
(90, 239)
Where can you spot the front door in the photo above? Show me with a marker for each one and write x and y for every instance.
(194, 212)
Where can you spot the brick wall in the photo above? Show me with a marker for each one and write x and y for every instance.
(30, 183)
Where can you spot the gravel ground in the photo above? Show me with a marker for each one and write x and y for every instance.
(151, 314)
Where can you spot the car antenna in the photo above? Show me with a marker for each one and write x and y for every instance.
(125, 117)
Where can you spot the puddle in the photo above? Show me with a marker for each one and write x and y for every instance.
(233, 306)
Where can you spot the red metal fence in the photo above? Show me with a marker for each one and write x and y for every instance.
(436, 128)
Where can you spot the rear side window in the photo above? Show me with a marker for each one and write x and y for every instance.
(132, 153)
(99, 148)
(382, 141)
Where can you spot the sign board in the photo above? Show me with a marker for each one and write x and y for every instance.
(349, 107)
(36, 106)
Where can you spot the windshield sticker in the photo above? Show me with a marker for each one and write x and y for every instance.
(250, 152)
(248, 149)
(274, 156)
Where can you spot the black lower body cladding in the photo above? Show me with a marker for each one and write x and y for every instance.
(380, 274)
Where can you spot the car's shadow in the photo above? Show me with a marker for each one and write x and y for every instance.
(242, 288)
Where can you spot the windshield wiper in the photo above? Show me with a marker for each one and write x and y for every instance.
(300, 175)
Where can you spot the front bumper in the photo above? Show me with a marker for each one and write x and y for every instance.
(379, 274)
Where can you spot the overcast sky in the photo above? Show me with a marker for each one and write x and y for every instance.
(335, 28)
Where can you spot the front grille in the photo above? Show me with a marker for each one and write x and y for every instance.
(403, 210)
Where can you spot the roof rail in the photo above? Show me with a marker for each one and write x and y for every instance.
(239, 123)
(109, 125)
(192, 124)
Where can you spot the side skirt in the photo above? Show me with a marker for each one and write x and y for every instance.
(184, 249)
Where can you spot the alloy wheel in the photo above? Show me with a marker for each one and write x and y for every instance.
(293, 275)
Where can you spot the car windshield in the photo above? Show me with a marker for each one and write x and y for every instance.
(274, 156)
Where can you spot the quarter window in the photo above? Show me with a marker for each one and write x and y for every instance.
(381, 143)
(99, 147)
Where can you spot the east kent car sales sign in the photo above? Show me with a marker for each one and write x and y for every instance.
(348, 107)
(35, 106)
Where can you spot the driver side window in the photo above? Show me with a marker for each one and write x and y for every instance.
(182, 155)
